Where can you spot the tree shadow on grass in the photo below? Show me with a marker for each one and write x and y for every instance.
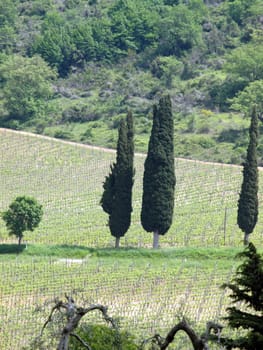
(11, 248)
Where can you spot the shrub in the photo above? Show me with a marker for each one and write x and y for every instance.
(62, 134)
(100, 337)
(78, 114)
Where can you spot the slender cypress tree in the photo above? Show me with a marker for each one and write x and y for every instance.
(117, 195)
(247, 287)
(248, 199)
(159, 176)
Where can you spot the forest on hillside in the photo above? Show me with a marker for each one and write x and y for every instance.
(73, 68)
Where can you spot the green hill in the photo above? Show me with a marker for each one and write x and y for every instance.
(71, 69)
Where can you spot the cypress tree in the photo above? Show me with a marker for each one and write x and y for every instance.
(247, 287)
(117, 195)
(248, 199)
(159, 176)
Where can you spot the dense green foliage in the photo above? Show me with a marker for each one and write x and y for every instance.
(26, 88)
(112, 56)
(159, 175)
(248, 199)
(247, 287)
(101, 337)
(24, 214)
(117, 195)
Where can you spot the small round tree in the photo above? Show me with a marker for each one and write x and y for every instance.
(24, 214)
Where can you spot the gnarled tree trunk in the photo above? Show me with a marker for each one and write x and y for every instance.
(198, 342)
(73, 315)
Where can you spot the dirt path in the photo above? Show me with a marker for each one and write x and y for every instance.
(109, 150)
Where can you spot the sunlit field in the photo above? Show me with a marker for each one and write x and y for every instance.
(67, 180)
(72, 250)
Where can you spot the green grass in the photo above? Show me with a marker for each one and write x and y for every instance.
(30, 250)
(8, 251)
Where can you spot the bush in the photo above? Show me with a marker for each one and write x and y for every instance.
(87, 135)
(205, 142)
(100, 337)
(78, 114)
(62, 134)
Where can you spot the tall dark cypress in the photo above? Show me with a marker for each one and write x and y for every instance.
(130, 164)
(117, 196)
(159, 175)
(248, 199)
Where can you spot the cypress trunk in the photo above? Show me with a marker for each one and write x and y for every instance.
(117, 242)
(156, 239)
(246, 238)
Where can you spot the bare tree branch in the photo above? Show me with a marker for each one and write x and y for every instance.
(216, 327)
(54, 308)
(81, 341)
(72, 316)
(199, 343)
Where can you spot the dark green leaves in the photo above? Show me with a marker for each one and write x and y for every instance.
(24, 214)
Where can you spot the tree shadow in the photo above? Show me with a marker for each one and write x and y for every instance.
(11, 248)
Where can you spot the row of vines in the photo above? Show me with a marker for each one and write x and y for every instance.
(67, 180)
(146, 300)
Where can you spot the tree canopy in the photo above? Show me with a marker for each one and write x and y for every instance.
(116, 199)
(26, 87)
(247, 215)
(111, 56)
(24, 214)
(159, 174)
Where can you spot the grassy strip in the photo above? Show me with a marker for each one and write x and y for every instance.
(58, 251)
(80, 252)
